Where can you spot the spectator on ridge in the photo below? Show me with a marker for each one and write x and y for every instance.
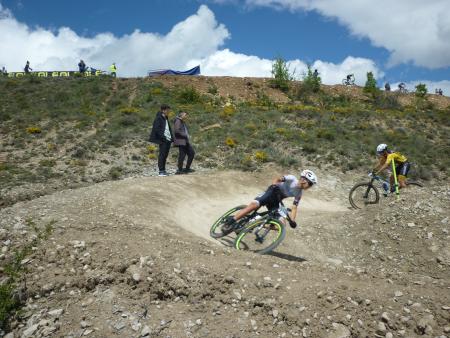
(113, 69)
(316, 73)
(27, 68)
(182, 141)
(4, 71)
(161, 134)
(81, 66)
(387, 87)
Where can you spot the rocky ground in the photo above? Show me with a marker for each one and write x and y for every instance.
(133, 258)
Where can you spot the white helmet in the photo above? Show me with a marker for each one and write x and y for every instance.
(381, 147)
(309, 175)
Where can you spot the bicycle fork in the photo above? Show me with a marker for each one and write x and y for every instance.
(260, 228)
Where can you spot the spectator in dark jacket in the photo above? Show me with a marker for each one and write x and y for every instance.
(82, 66)
(182, 141)
(162, 135)
(27, 68)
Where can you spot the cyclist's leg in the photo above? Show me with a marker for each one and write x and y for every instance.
(253, 205)
(403, 170)
(269, 198)
(392, 182)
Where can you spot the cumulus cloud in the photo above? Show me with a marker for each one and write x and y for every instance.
(196, 40)
(414, 31)
(431, 86)
(227, 63)
(196, 37)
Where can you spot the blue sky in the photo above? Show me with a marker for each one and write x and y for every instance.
(235, 37)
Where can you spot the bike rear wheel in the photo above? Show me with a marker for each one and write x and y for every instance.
(261, 236)
(216, 230)
(362, 195)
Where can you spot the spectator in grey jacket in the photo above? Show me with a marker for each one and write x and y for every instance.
(182, 141)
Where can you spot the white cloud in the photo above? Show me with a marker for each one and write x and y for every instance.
(412, 30)
(196, 37)
(196, 40)
(334, 73)
(227, 63)
(431, 86)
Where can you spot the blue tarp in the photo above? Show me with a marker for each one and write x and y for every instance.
(193, 71)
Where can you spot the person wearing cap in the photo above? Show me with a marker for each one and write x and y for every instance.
(161, 134)
(182, 141)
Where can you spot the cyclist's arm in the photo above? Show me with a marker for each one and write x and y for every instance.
(379, 165)
(383, 166)
(277, 180)
(293, 213)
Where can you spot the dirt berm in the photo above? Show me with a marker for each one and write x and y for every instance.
(133, 258)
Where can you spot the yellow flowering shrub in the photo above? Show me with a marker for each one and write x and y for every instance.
(230, 142)
(227, 112)
(34, 130)
(261, 156)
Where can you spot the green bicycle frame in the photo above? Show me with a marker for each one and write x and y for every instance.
(395, 179)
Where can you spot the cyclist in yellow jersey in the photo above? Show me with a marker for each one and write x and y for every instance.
(401, 164)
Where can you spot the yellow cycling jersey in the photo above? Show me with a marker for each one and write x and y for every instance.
(396, 157)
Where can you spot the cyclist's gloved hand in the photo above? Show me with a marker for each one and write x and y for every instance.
(293, 224)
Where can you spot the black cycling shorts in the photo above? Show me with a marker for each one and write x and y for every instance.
(271, 198)
(402, 169)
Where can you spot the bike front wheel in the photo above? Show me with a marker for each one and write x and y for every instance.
(261, 236)
(362, 195)
(217, 230)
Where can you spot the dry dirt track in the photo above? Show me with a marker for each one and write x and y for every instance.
(132, 258)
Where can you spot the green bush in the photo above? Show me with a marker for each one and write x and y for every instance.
(371, 84)
(189, 95)
(421, 90)
(311, 83)
(281, 75)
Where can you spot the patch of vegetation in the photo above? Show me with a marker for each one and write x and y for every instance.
(189, 95)
(15, 271)
(421, 90)
(281, 75)
(371, 84)
(116, 172)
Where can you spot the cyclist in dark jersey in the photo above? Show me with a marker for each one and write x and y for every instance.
(281, 188)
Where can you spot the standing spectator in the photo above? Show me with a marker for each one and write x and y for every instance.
(113, 69)
(162, 135)
(82, 66)
(183, 143)
(316, 73)
(4, 72)
(27, 68)
(387, 87)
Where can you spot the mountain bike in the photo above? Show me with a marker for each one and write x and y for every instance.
(402, 88)
(364, 194)
(349, 81)
(260, 232)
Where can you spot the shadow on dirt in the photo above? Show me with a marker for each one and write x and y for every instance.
(287, 257)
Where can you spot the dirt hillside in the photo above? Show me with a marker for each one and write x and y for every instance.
(249, 88)
(132, 258)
